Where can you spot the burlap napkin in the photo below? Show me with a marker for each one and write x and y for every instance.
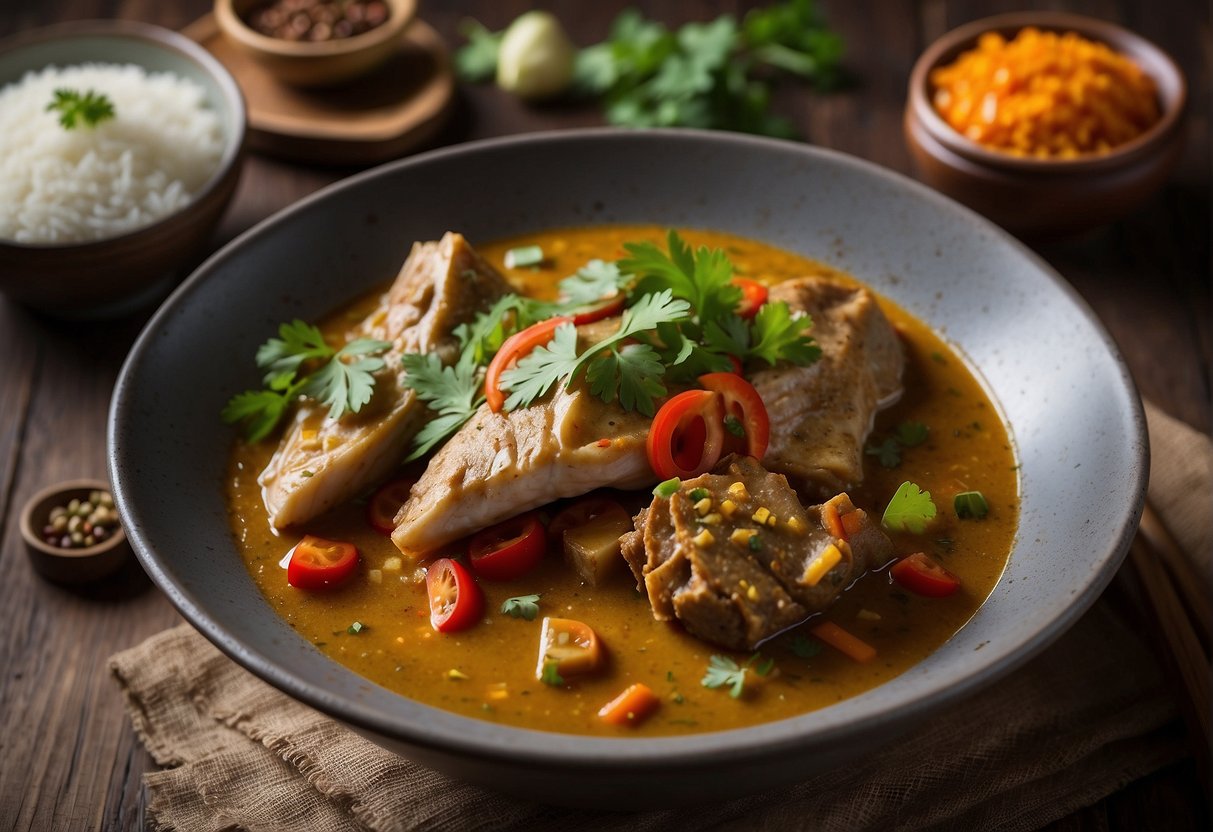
(1088, 716)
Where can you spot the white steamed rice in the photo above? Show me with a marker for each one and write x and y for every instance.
(64, 186)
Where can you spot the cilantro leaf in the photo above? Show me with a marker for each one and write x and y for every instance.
(262, 409)
(522, 606)
(632, 373)
(887, 452)
(703, 277)
(725, 672)
(477, 60)
(296, 342)
(74, 106)
(347, 385)
(453, 393)
(911, 434)
(909, 510)
(591, 283)
(776, 334)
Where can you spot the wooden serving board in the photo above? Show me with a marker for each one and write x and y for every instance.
(380, 116)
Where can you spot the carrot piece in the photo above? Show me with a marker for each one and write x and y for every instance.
(633, 706)
(842, 641)
(832, 521)
(852, 522)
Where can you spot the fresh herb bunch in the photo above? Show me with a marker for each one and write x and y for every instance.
(680, 321)
(342, 379)
(715, 75)
(75, 107)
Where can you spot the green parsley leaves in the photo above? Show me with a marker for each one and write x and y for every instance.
(906, 435)
(630, 373)
(550, 675)
(909, 511)
(970, 505)
(452, 393)
(522, 606)
(717, 74)
(75, 107)
(723, 672)
(344, 382)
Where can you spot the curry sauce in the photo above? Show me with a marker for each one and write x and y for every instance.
(488, 671)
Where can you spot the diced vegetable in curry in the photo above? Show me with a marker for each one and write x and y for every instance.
(642, 483)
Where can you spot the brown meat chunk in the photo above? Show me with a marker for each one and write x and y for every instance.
(726, 589)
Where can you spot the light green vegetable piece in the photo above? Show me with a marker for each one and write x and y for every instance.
(536, 57)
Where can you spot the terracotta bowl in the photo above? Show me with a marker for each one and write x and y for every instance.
(109, 277)
(1045, 197)
(69, 565)
(315, 64)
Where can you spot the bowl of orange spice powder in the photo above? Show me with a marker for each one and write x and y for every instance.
(1047, 123)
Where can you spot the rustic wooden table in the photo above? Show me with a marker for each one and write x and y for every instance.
(68, 757)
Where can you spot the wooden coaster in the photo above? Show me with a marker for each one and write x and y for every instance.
(378, 117)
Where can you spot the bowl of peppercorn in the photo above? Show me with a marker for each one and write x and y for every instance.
(72, 532)
(316, 43)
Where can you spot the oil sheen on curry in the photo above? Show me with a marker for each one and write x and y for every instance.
(621, 481)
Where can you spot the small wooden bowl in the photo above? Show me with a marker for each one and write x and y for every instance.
(1046, 197)
(113, 276)
(69, 565)
(326, 63)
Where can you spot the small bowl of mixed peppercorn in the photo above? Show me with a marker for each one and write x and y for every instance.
(316, 43)
(73, 533)
(1047, 123)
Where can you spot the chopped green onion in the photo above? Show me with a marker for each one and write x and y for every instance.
(970, 505)
(755, 543)
(698, 494)
(356, 628)
(516, 258)
(667, 489)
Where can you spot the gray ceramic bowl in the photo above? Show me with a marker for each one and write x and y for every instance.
(1074, 415)
(109, 277)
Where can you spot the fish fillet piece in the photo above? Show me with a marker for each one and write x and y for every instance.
(821, 414)
(322, 462)
(499, 465)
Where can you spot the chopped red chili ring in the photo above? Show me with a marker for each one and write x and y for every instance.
(687, 435)
(515, 347)
(317, 563)
(509, 550)
(753, 296)
(920, 574)
(744, 406)
(605, 308)
(456, 602)
(385, 504)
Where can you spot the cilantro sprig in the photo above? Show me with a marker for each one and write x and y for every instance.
(910, 510)
(723, 671)
(521, 606)
(718, 74)
(75, 107)
(613, 368)
(453, 393)
(344, 381)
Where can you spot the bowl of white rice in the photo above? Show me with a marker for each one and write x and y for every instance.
(120, 148)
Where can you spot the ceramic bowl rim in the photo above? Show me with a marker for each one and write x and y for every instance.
(965, 36)
(487, 741)
(171, 42)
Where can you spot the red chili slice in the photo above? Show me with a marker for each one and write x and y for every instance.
(921, 575)
(687, 435)
(385, 504)
(605, 308)
(456, 602)
(753, 296)
(317, 563)
(743, 405)
(514, 348)
(509, 550)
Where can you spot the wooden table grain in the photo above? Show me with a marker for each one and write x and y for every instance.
(68, 757)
